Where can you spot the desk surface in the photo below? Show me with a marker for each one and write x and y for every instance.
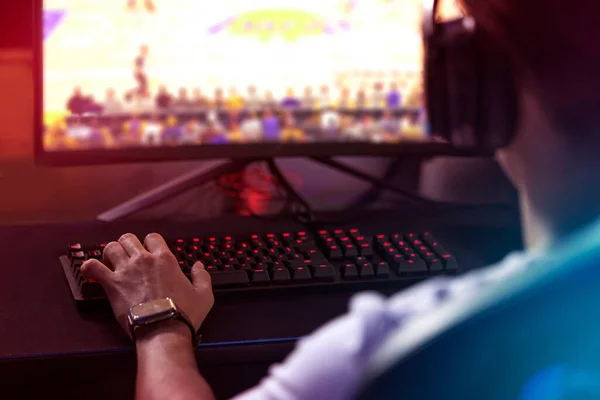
(38, 317)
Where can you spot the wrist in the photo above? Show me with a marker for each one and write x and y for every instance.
(165, 334)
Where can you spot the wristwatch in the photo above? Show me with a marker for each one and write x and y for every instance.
(157, 311)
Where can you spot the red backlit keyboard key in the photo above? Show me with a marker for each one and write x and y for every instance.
(366, 270)
(281, 275)
(324, 272)
(450, 262)
(260, 277)
(301, 274)
(349, 272)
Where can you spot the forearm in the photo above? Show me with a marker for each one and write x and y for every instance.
(167, 366)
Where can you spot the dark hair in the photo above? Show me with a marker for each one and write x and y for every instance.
(553, 48)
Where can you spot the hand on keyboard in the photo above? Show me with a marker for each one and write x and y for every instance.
(132, 273)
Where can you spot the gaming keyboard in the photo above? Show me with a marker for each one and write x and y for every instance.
(290, 261)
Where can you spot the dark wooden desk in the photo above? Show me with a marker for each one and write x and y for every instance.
(48, 349)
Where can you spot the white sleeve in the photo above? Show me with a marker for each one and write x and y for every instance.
(329, 364)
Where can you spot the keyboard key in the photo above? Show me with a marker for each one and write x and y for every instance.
(224, 279)
(301, 274)
(450, 262)
(76, 265)
(344, 240)
(89, 287)
(334, 252)
(383, 270)
(366, 270)
(435, 246)
(436, 265)
(324, 273)
(365, 248)
(281, 275)
(350, 251)
(349, 272)
(97, 254)
(75, 248)
(78, 255)
(211, 268)
(260, 277)
(413, 265)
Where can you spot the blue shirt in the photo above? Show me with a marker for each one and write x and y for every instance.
(271, 128)
(290, 102)
(394, 99)
(349, 341)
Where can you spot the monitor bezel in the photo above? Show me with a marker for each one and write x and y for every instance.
(206, 152)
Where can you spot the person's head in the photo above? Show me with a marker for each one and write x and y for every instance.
(77, 91)
(162, 89)
(144, 50)
(268, 113)
(269, 95)
(218, 93)
(553, 157)
(232, 92)
(183, 93)
(387, 115)
(110, 93)
(308, 91)
(289, 92)
(252, 90)
(394, 87)
(196, 93)
(345, 92)
(324, 89)
(378, 86)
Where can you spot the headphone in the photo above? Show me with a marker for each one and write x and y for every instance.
(470, 89)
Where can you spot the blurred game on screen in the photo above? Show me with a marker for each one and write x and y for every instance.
(139, 73)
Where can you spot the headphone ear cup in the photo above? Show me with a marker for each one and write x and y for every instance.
(471, 94)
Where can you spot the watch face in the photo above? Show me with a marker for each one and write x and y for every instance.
(153, 311)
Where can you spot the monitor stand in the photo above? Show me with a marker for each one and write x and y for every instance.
(173, 187)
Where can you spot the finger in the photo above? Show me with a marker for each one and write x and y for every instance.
(200, 276)
(94, 269)
(114, 255)
(155, 243)
(131, 244)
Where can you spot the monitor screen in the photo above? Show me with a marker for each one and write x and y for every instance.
(152, 75)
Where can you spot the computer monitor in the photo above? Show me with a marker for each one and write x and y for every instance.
(135, 80)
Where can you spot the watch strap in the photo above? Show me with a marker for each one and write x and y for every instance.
(178, 315)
